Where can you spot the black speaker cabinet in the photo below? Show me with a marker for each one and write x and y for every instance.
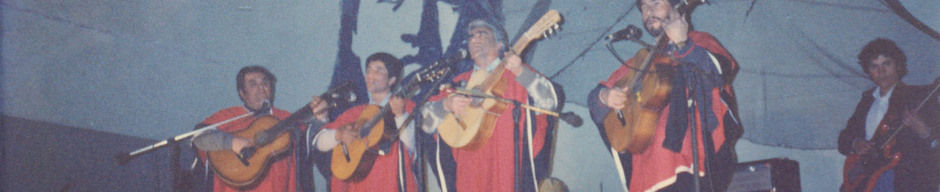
(775, 175)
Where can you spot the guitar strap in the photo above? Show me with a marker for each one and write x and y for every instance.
(309, 143)
(401, 168)
(291, 162)
(529, 123)
(517, 147)
(620, 172)
(440, 169)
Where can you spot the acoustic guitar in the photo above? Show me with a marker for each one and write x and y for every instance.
(271, 140)
(353, 161)
(242, 170)
(632, 127)
(469, 129)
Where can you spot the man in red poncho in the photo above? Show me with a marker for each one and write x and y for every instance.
(391, 169)
(701, 93)
(493, 165)
(256, 89)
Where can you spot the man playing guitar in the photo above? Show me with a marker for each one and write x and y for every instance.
(701, 100)
(255, 86)
(491, 164)
(391, 169)
(880, 156)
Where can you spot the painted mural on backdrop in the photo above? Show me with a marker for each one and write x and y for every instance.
(415, 31)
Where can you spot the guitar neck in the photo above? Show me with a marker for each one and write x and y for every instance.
(291, 121)
(882, 142)
(497, 73)
(368, 125)
(540, 28)
(405, 91)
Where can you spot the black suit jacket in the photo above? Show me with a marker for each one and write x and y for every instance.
(917, 169)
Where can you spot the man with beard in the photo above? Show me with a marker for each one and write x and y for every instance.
(701, 100)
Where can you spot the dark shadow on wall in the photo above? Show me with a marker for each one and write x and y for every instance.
(41, 156)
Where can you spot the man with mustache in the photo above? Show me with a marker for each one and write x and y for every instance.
(492, 165)
(701, 96)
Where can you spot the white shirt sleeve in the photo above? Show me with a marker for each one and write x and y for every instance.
(325, 140)
(408, 133)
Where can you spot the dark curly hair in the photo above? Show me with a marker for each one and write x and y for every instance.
(268, 76)
(886, 47)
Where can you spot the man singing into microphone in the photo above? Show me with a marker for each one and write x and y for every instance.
(255, 86)
(701, 99)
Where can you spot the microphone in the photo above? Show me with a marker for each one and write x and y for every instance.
(629, 33)
(343, 95)
(264, 110)
(441, 67)
(571, 118)
(340, 93)
(266, 105)
(459, 55)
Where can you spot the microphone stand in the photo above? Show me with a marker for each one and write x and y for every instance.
(421, 180)
(123, 158)
(693, 130)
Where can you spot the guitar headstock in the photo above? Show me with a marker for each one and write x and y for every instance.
(694, 2)
(341, 95)
(684, 6)
(431, 73)
(545, 26)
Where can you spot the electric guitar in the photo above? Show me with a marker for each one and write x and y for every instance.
(862, 171)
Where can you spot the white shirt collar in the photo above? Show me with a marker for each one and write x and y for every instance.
(877, 92)
(491, 66)
(380, 103)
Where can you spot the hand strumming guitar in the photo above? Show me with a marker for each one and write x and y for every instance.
(347, 134)
(239, 143)
(456, 103)
(614, 97)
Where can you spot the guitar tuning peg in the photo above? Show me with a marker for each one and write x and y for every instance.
(444, 86)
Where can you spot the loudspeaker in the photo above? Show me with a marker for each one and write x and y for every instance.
(775, 175)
